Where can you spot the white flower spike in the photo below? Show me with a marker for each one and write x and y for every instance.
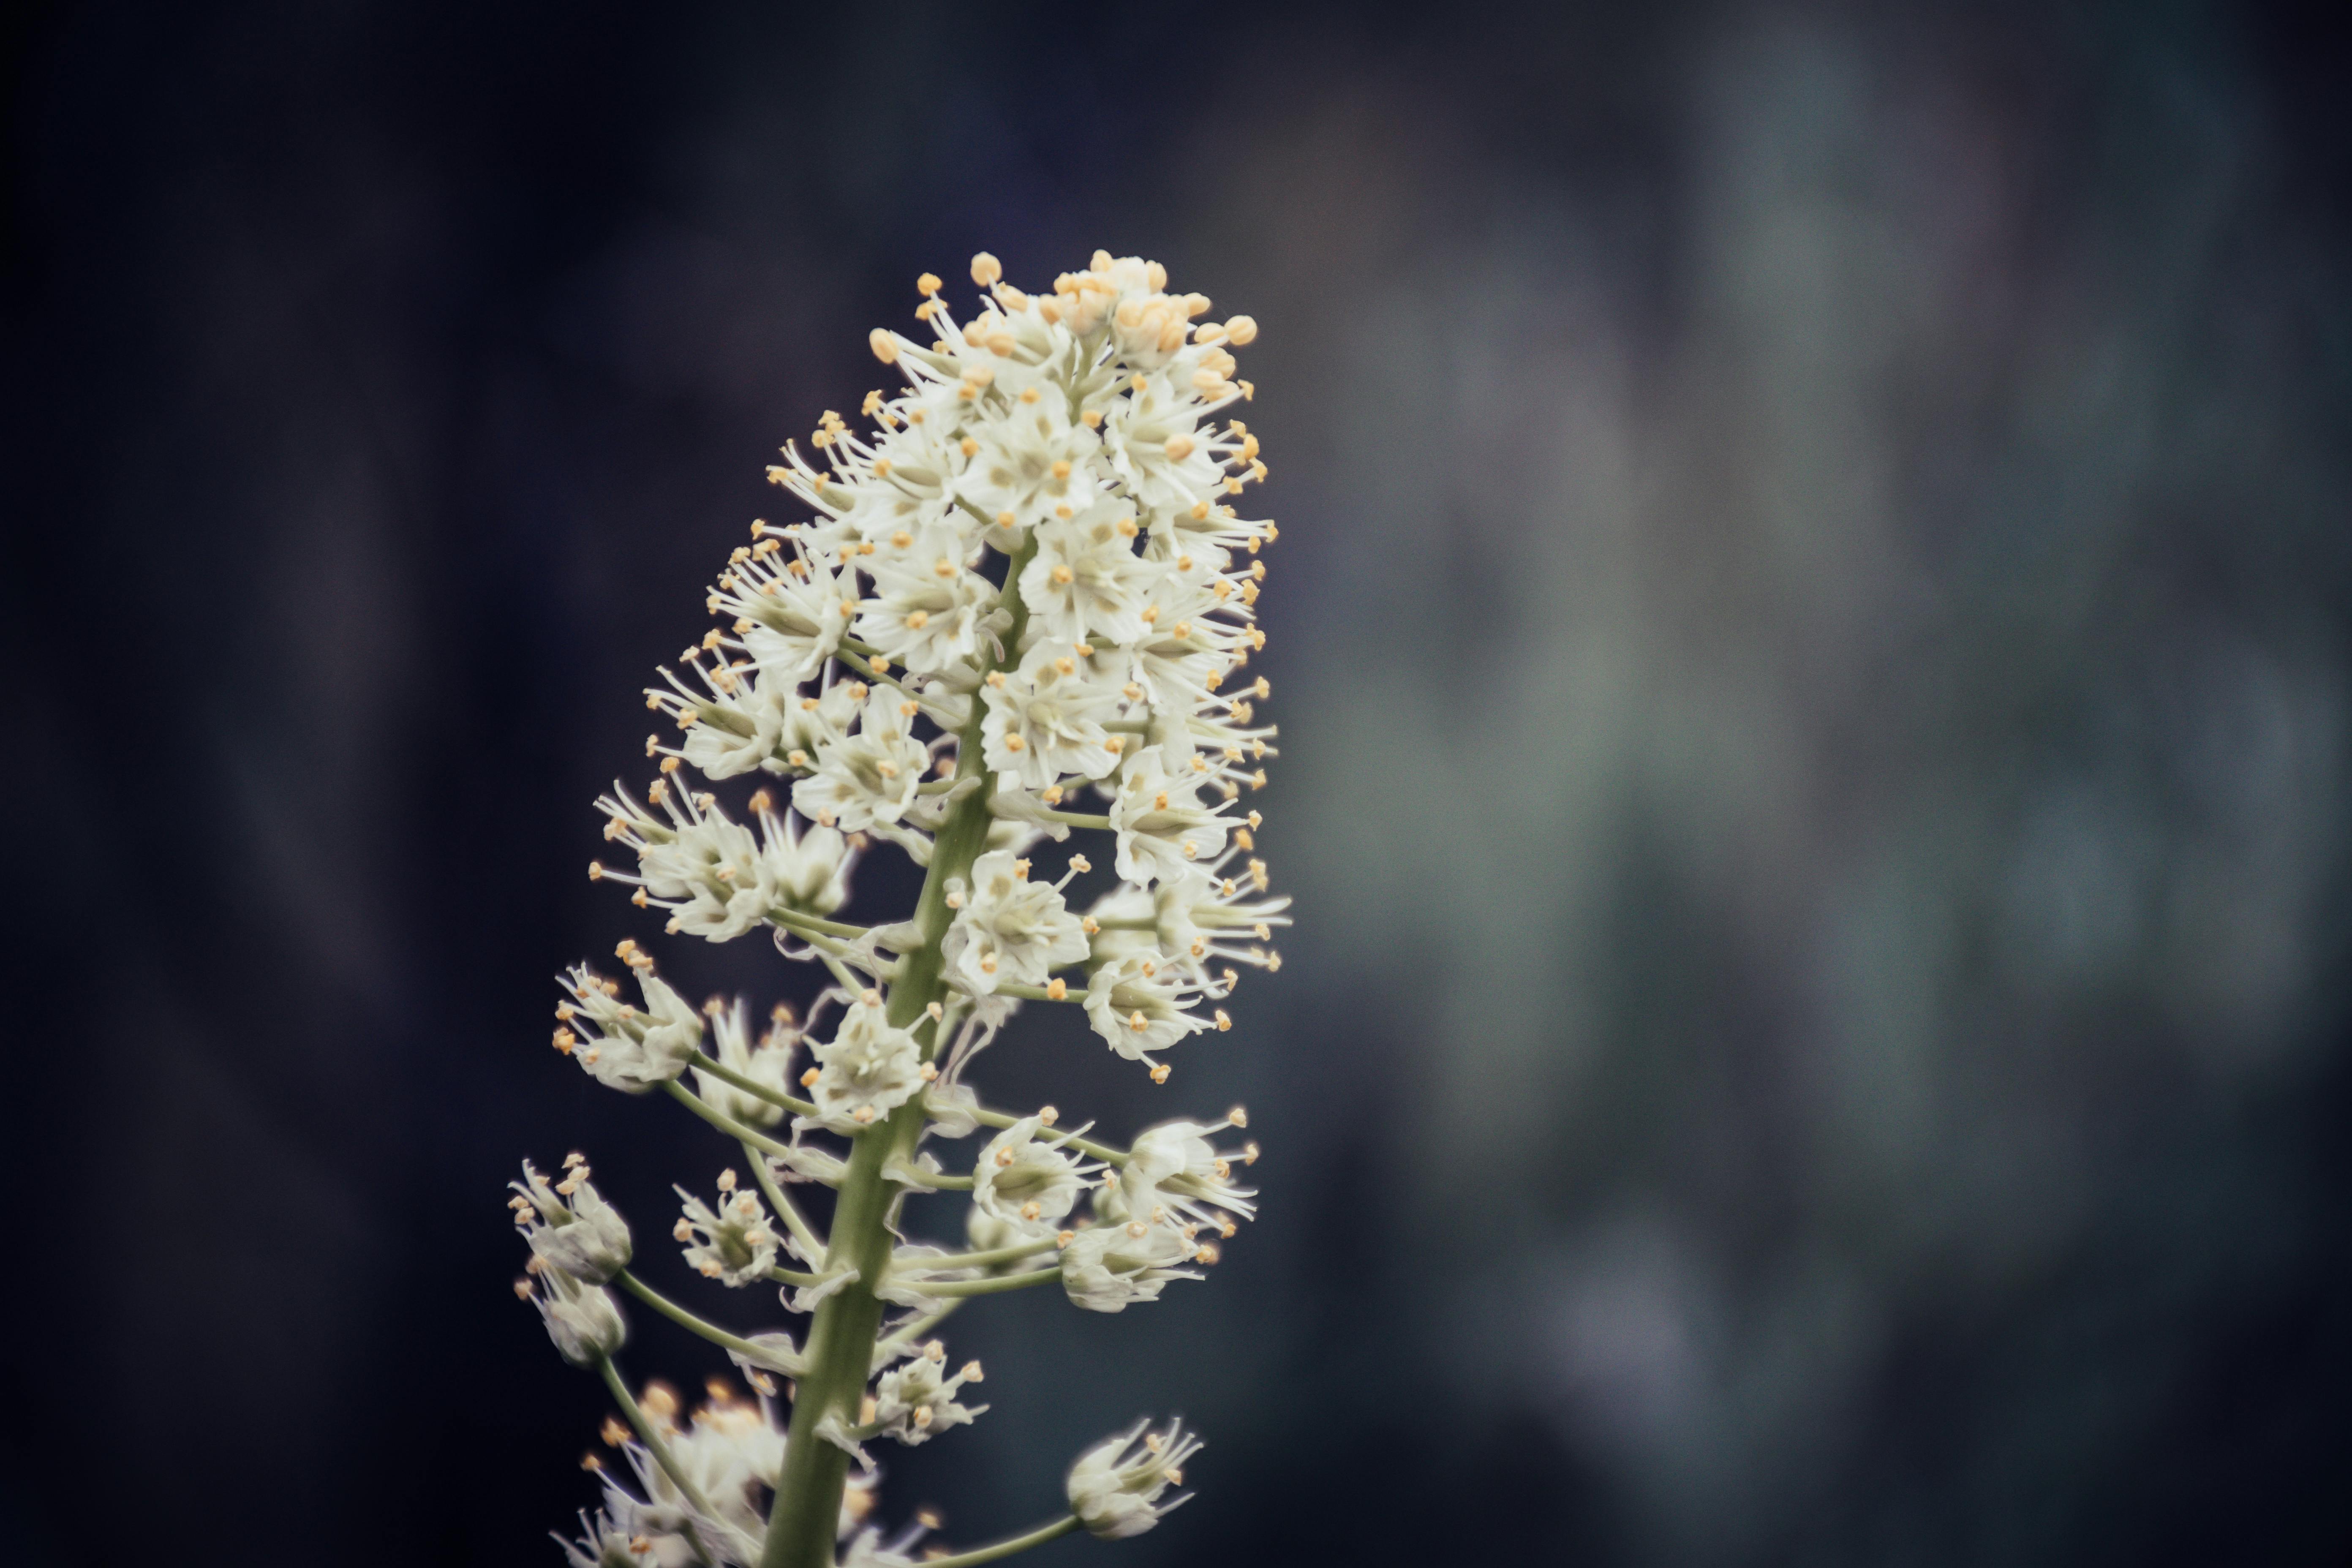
(1007, 632)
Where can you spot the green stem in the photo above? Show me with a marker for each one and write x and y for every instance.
(688, 1320)
(849, 980)
(990, 1258)
(1038, 993)
(950, 1289)
(724, 1122)
(784, 916)
(650, 1436)
(1069, 818)
(807, 1508)
(833, 950)
(752, 1087)
(795, 1278)
(811, 1247)
(932, 1183)
(1037, 1537)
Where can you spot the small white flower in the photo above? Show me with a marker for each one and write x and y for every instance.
(1086, 579)
(807, 868)
(1115, 1487)
(917, 1401)
(1020, 1177)
(1046, 720)
(1174, 1165)
(1010, 928)
(1155, 445)
(814, 722)
(868, 777)
(1200, 914)
(621, 1047)
(928, 609)
(1035, 463)
(731, 725)
(769, 1062)
(1106, 1267)
(1163, 829)
(582, 1320)
(734, 1243)
(867, 1070)
(718, 877)
(729, 1452)
(1137, 1004)
(569, 1225)
(792, 603)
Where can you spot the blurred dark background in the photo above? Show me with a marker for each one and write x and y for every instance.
(1811, 639)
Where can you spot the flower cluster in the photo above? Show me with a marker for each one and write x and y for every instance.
(1017, 603)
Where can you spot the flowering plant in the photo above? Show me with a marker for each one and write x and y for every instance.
(1024, 586)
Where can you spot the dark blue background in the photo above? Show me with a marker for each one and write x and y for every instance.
(1811, 639)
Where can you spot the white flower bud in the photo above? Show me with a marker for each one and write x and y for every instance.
(1107, 1267)
(569, 1226)
(1137, 1004)
(1174, 1164)
(621, 1047)
(582, 1320)
(1115, 1487)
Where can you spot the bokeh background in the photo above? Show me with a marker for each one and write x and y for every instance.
(1810, 633)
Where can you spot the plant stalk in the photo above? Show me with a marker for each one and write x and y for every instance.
(805, 1520)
